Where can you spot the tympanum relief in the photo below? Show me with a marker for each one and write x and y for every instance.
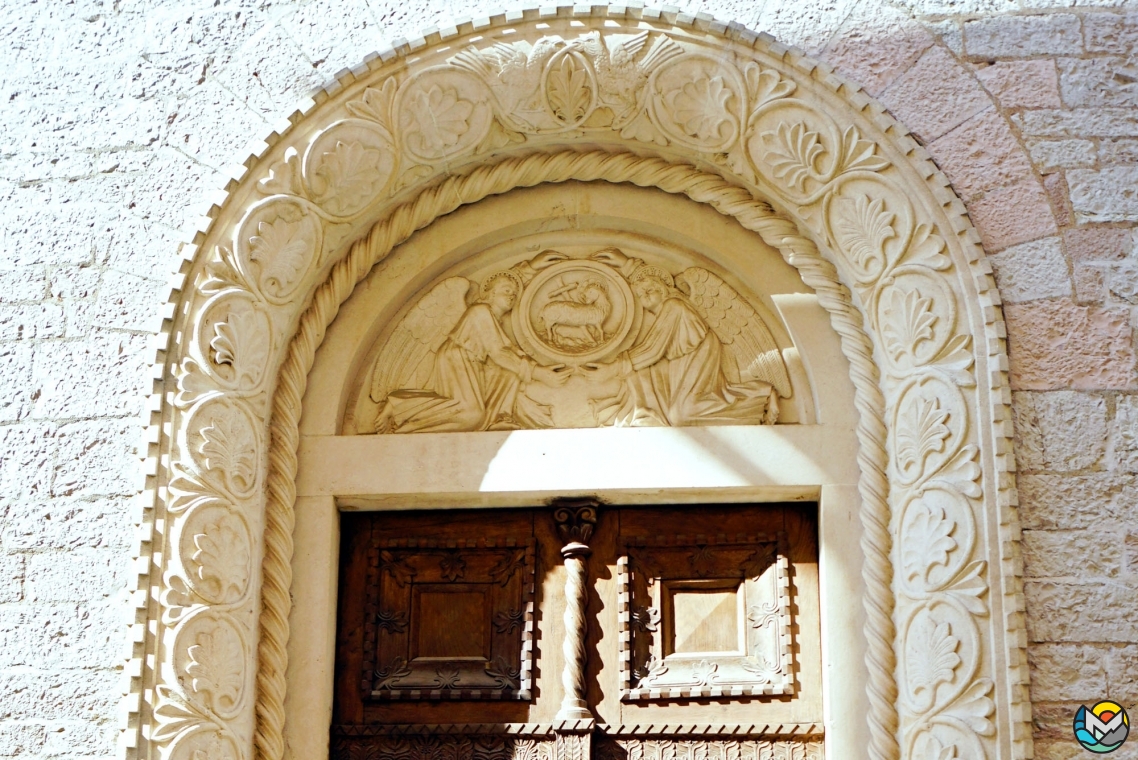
(600, 339)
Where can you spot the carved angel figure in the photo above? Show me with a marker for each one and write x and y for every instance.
(452, 367)
(705, 358)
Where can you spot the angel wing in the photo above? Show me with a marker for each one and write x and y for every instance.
(408, 356)
(752, 352)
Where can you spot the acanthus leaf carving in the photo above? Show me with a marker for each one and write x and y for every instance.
(376, 105)
(765, 85)
(216, 667)
(932, 657)
(910, 322)
(434, 120)
(284, 176)
(348, 174)
(921, 431)
(569, 89)
(221, 558)
(863, 226)
(859, 154)
(283, 250)
(794, 153)
(175, 716)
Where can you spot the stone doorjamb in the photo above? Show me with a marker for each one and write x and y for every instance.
(698, 107)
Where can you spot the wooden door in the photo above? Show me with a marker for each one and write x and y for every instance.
(649, 633)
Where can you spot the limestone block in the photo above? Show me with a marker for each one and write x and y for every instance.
(1066, 671)
(980, 154)
(94, 738)
(68, 524)
(86, 574)
(1121, 665)
(1052, 720)
(1080, 612)
(1054, 502)
(16, 360)
(1048, 155)
(1090, 282)
(60, 694)
(1030, 271)
(68, 635)
(100, 377)
(212, 125)
(1043, 424)
(20, 739)
(935, 95)
(1016, 213)
(80, 281)
(1078, 122)
(27, 321)
(1058, 344)
(26, 459)
(957, 7)
(1118, 151)
(1094, 553)
(1098, 82)
(13, 572)
(269, 89)
(1124, 435)
(1016, 36)
(95, 458)
(1109, 194)
(1097, 243)
(333, 35)
(1022, 84)
(950, 33)
(1059, 196)
(126, 302)
(874, 47)
(1111, 33)
(23, 284)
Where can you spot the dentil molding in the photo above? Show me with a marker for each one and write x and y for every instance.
(627, 95)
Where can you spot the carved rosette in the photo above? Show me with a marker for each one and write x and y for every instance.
(766, 122)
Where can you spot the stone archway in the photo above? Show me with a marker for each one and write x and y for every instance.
(695, 107)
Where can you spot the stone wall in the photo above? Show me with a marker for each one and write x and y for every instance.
(118, 117)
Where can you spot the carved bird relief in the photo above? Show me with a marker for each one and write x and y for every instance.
(513, 75)
(620, 76)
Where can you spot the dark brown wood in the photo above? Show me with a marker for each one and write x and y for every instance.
(422, 585)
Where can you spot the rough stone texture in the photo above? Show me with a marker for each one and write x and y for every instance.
(1016, 213)
(981, 154)
(935, 94)
(1022, 84)
(1109, 194)
(1057, 344)
(118, 117)
(1043, 423)
(1026, 272)
(1018, 36)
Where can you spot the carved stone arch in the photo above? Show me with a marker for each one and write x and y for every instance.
(712, 111)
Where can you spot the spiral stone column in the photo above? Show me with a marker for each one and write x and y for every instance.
(575, 520)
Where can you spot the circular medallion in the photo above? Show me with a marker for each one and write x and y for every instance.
(576, 312)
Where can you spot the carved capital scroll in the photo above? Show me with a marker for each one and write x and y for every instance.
(575, 520)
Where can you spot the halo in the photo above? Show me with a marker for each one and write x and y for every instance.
(655, 273)
(509, 274)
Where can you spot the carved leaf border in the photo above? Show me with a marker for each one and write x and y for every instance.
(275, 256)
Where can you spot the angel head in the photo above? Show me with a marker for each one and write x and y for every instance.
(500, 290)
(653, 285)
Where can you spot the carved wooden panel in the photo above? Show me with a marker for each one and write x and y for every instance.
(705, 616)
(674, 748)
(449, 618)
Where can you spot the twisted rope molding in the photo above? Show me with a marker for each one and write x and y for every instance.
(527, 171)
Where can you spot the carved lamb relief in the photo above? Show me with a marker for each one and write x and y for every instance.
(560, 341)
